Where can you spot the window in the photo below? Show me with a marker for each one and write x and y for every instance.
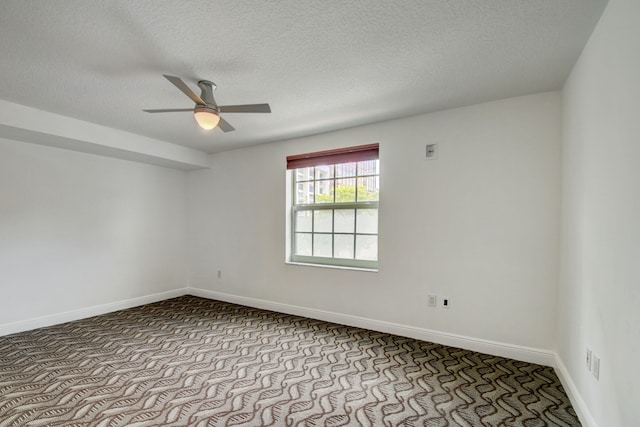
(334, 208)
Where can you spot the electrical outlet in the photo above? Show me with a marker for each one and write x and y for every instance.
(446, 302)
(588, 359)
(432, 300)
(595, 366)
(219, 274)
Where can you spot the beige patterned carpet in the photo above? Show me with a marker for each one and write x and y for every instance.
(195, 362)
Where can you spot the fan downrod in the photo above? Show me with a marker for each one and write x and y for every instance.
(206, 92)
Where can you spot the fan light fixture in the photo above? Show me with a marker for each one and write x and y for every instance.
(206, 111)
(206, 117)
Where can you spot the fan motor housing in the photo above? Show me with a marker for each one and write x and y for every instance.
(206, 108)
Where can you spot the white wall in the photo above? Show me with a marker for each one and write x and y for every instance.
(79, 230)
(599, 293)
(479, 225)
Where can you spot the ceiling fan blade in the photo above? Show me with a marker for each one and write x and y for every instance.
(225, 126)
(177, 82)
(169, 110)
(248, 108)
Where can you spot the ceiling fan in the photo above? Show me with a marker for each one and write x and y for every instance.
(206, 111)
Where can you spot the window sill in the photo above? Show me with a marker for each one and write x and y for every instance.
(335, 267)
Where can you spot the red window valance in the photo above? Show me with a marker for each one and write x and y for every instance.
(332, 157)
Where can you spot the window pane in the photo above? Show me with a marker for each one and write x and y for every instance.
(344, 220)
(367, 248)
(345, 190)
(304, 174)
(303, 221)
(323, 191)
(304, 193)
(323, 221)
(303, 244)
(343, 246)
(368, 189)
(338, 229)
(368, 167)
(367, 221)
(324, 172)
(346, 170)
(322, 245)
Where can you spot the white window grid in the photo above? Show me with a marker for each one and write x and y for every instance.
(324, 185)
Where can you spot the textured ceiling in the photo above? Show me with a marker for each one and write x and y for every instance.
(321, 65)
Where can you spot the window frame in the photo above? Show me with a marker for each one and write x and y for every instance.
(294, 208)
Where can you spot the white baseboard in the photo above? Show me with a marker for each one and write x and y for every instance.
(526, 354)
(69, 316)
(581, 408)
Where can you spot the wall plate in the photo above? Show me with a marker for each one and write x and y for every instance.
(432, 300)
(431, 151)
